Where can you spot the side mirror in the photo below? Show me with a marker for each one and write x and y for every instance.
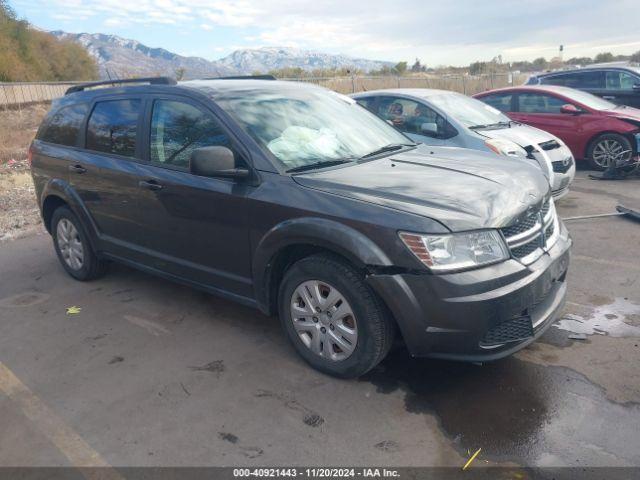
(215, 162)
(430, 129)
(570, 109)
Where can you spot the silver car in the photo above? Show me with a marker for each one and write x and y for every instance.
(450, 119)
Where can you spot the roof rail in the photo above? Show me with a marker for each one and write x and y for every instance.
(242, 77)
(149, 80)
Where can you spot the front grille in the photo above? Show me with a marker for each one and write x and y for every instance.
(526, 249)
(550, 145)
(516, 329)
(520, 227)
(562, 166)
(531, 233)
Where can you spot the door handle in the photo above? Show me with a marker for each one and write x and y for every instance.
(150, 185)
(77, 168)
(608, 97)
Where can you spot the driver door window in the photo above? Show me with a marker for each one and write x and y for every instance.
(177, 129)
(409, 116)
(620, 81)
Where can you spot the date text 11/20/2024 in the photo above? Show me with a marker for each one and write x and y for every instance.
(316, 472)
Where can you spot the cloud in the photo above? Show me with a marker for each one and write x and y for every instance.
(437, 32)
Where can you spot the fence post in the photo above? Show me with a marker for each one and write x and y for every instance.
(353, 83)
(464, 85)
(398, 77)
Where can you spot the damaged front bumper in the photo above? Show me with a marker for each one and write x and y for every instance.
(478, 315)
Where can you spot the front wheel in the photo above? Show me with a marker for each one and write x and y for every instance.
(333, 318)
(607, 149)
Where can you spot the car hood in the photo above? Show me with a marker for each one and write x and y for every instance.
(628, 113)
(462, 189)
(525, 136)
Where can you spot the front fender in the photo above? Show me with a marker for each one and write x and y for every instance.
(319, 232)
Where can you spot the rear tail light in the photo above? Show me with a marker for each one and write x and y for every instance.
(30, 155)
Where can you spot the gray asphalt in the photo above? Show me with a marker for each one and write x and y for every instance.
(153, 373)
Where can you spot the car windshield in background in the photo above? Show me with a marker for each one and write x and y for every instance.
(469, 111)
(589, 100)
(304, 127)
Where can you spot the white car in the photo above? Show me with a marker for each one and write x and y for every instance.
(450, 119)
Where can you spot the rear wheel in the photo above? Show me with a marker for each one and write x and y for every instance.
(608, 148)
(73, 248)
(333, 318)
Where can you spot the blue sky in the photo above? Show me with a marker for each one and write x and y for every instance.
(454, 32)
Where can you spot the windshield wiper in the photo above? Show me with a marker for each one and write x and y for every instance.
(321, 164)
(388, 148)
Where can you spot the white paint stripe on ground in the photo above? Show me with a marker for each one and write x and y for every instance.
(611, 263)
(152, 327)
(70, 444)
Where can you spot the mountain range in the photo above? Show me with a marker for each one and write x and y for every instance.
(119, 57)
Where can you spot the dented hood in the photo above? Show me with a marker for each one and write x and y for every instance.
(462, 189)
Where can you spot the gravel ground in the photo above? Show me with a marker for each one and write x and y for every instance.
(18, 210)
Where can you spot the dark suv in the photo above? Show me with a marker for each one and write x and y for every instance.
(620, 85)
(296, 200)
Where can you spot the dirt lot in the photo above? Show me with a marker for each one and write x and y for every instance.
(18, 212)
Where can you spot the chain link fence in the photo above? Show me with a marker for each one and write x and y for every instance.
(18, 95)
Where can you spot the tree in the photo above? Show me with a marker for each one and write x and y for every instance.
(418, 67)
(401, 68)
(604, 57)
(27, 54)
(477, 67)
(180, 72)
(540, 63)
(635, 57)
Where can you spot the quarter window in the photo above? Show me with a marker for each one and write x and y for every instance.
(113, 127)
(178, 128)
(64, 126)
(539, 103)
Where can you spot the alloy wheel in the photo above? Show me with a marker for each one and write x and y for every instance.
(607, 151)
(70, 244)
(324, 320)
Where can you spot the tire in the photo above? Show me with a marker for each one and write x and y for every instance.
(353, 355)
(73, 248)
(607, 144)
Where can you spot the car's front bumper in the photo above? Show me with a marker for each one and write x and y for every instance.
(478, 315)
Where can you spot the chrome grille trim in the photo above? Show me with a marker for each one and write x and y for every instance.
(535, 237)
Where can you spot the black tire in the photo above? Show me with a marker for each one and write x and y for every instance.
(623, 141)
(92, 267)
(375, 327)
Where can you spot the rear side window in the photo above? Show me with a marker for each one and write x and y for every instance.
(113, 127)
(64, 126)
(501, 101)
(178, 128)
(588, 79)
(539, 103)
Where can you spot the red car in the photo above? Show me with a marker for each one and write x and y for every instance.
(594, 129)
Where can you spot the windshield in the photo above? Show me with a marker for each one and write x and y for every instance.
(588, 100)
(309, 126)
(468, 111)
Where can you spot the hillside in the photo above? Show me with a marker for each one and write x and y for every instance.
(27, 54)
(120, 57)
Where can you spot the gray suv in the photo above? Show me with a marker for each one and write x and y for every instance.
(296, 201)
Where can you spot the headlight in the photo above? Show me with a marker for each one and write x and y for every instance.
(457, 251)
(502, 146)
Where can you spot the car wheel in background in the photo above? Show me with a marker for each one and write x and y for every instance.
(73, 248)
(334, 320)
(607, 148)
